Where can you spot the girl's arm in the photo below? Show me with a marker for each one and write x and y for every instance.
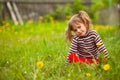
(73, 49)
(100, 45)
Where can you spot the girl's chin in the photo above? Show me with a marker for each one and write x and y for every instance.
(81, 35)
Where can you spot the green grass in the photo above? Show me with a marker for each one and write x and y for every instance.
(21, 47)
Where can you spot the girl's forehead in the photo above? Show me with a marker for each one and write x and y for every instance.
(76, 24)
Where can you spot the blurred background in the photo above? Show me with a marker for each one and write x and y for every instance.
(33, 45)
(105, 12)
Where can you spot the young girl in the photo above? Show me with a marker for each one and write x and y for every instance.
(86, 44)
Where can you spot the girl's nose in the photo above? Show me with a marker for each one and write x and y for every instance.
(78, 30)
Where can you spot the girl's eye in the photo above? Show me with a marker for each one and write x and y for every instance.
(79, 26)
(75, 30)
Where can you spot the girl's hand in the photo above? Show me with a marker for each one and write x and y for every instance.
(104, 59)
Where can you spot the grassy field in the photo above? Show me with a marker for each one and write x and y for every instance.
(38, 51)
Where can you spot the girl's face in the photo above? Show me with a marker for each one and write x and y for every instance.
(80, 29)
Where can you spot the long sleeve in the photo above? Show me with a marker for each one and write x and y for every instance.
(73, 48)
(100, 45)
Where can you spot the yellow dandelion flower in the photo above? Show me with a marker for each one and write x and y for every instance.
(88, 74)
(40, 64)
(98, 44)
(7, 24)
(21, 32)
(31, 30)
(18, 40)
(106, 67)
(68, 17)
(40, 18)
(51, 19)
(30, 21)
(0, 30)
(16, 33)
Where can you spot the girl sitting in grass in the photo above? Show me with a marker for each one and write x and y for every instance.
(86, 44)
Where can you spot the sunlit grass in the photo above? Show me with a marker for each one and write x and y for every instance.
(38, 51)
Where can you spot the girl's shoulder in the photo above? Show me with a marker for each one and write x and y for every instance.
(93, 32)
(75, 37)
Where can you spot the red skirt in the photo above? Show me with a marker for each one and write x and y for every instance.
(74, 58)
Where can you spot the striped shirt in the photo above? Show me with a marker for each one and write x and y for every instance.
(88, 46)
